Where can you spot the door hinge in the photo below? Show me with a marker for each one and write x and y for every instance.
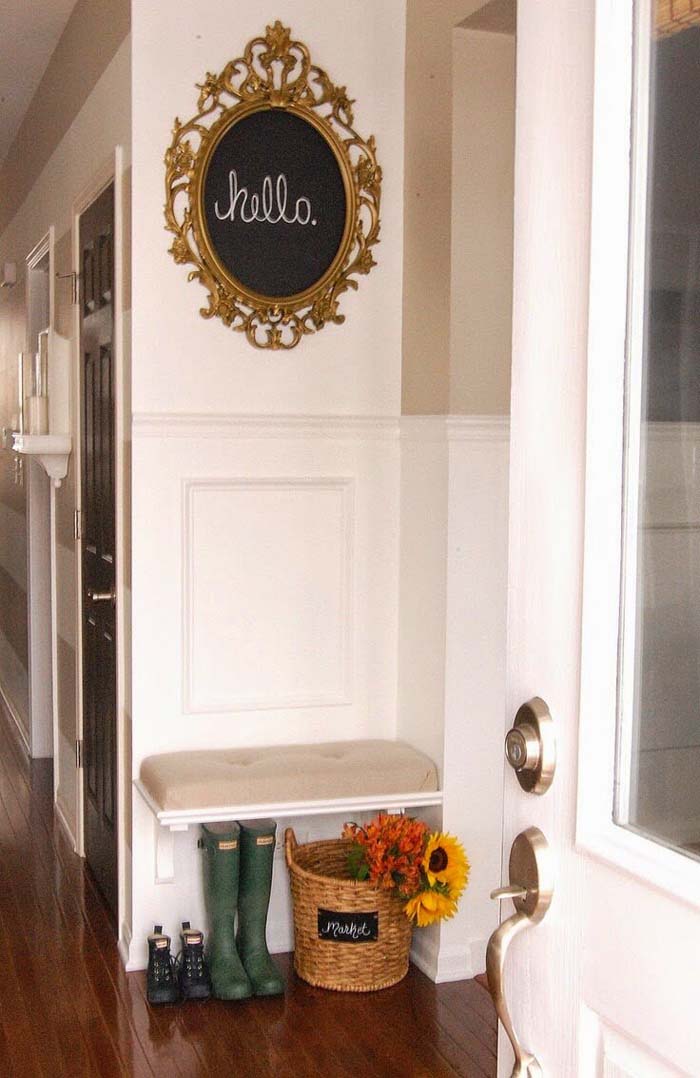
(77, 524)
(79, 753)
(74, 279)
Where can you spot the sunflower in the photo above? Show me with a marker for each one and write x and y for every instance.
(429, 906)
(446, 862)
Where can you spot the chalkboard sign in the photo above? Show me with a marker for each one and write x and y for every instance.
(348, 927)
(274, 202)
(272, 196)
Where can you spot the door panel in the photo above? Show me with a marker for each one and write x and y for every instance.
(98, 542)
(605, 984)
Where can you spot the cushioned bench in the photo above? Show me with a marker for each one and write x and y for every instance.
(208, 786)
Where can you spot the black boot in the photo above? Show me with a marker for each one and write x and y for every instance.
(193, 971)
(161, 983)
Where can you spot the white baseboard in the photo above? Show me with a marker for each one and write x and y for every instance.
(63, 821)
(280, 938)
(125, 947)
(424, 954)
(442, 964)
(14, 715)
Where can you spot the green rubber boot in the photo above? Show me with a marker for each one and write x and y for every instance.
(257, 855)
(221, 870)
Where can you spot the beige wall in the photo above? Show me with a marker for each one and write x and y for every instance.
(14, 678)
(483, 126)
(431, 384)
(92, 35)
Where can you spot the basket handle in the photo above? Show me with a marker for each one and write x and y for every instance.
(290, 845)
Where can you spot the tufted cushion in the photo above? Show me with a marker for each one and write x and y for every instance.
(214, 778)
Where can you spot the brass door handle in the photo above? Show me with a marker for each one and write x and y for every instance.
(102, 596)
(530, 888)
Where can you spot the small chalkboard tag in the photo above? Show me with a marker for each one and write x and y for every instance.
(348, 927)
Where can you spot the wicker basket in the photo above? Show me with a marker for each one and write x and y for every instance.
(321, 885)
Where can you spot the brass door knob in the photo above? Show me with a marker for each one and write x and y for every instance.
(103, 596)
(531, 746)
(530, 888)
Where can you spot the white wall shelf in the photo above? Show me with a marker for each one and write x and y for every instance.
(51, 450)
(167, 823)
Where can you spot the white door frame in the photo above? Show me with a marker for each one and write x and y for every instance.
(42, 631)
(111, 171)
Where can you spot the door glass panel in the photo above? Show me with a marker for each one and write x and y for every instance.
(658, 776)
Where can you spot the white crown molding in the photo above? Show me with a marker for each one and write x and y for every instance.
(455, 428)
(478, 428)
(231, 425)
(431, 428)
(423, 428)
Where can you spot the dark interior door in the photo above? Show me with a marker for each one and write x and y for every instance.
(98, 546)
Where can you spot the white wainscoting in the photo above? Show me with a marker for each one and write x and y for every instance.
(265, 606)
(454, 539)
(265, 573)
(236, 514)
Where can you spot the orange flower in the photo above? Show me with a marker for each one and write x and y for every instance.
(389, 852)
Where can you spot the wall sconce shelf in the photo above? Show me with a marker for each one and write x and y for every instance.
(51, 450)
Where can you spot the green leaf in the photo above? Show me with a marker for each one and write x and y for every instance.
(357, 863)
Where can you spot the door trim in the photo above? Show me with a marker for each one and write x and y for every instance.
(45, 247)
(111, 171)
(617, 229)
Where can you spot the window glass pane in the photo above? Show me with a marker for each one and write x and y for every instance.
(658, 782)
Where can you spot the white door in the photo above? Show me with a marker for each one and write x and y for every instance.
(604, 593)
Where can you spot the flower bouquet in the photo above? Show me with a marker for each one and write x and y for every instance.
(398, 853)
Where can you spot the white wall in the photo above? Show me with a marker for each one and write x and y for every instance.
(454, 533)
(189, 364)
(261, 478)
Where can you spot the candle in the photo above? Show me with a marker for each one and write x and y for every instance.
(20, 376)
(37, 414)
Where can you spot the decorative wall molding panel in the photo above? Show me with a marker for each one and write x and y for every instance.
(312, 508)
(612, 1054)
(268, 586)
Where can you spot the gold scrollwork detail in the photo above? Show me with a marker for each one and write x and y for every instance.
(274, 72)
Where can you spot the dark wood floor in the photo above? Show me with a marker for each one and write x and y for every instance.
(68, 1008)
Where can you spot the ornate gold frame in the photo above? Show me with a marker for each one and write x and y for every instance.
(274, 72)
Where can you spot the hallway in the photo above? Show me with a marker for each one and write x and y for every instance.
(68, 1008)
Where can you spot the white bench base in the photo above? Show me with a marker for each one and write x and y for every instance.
(167, 823)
